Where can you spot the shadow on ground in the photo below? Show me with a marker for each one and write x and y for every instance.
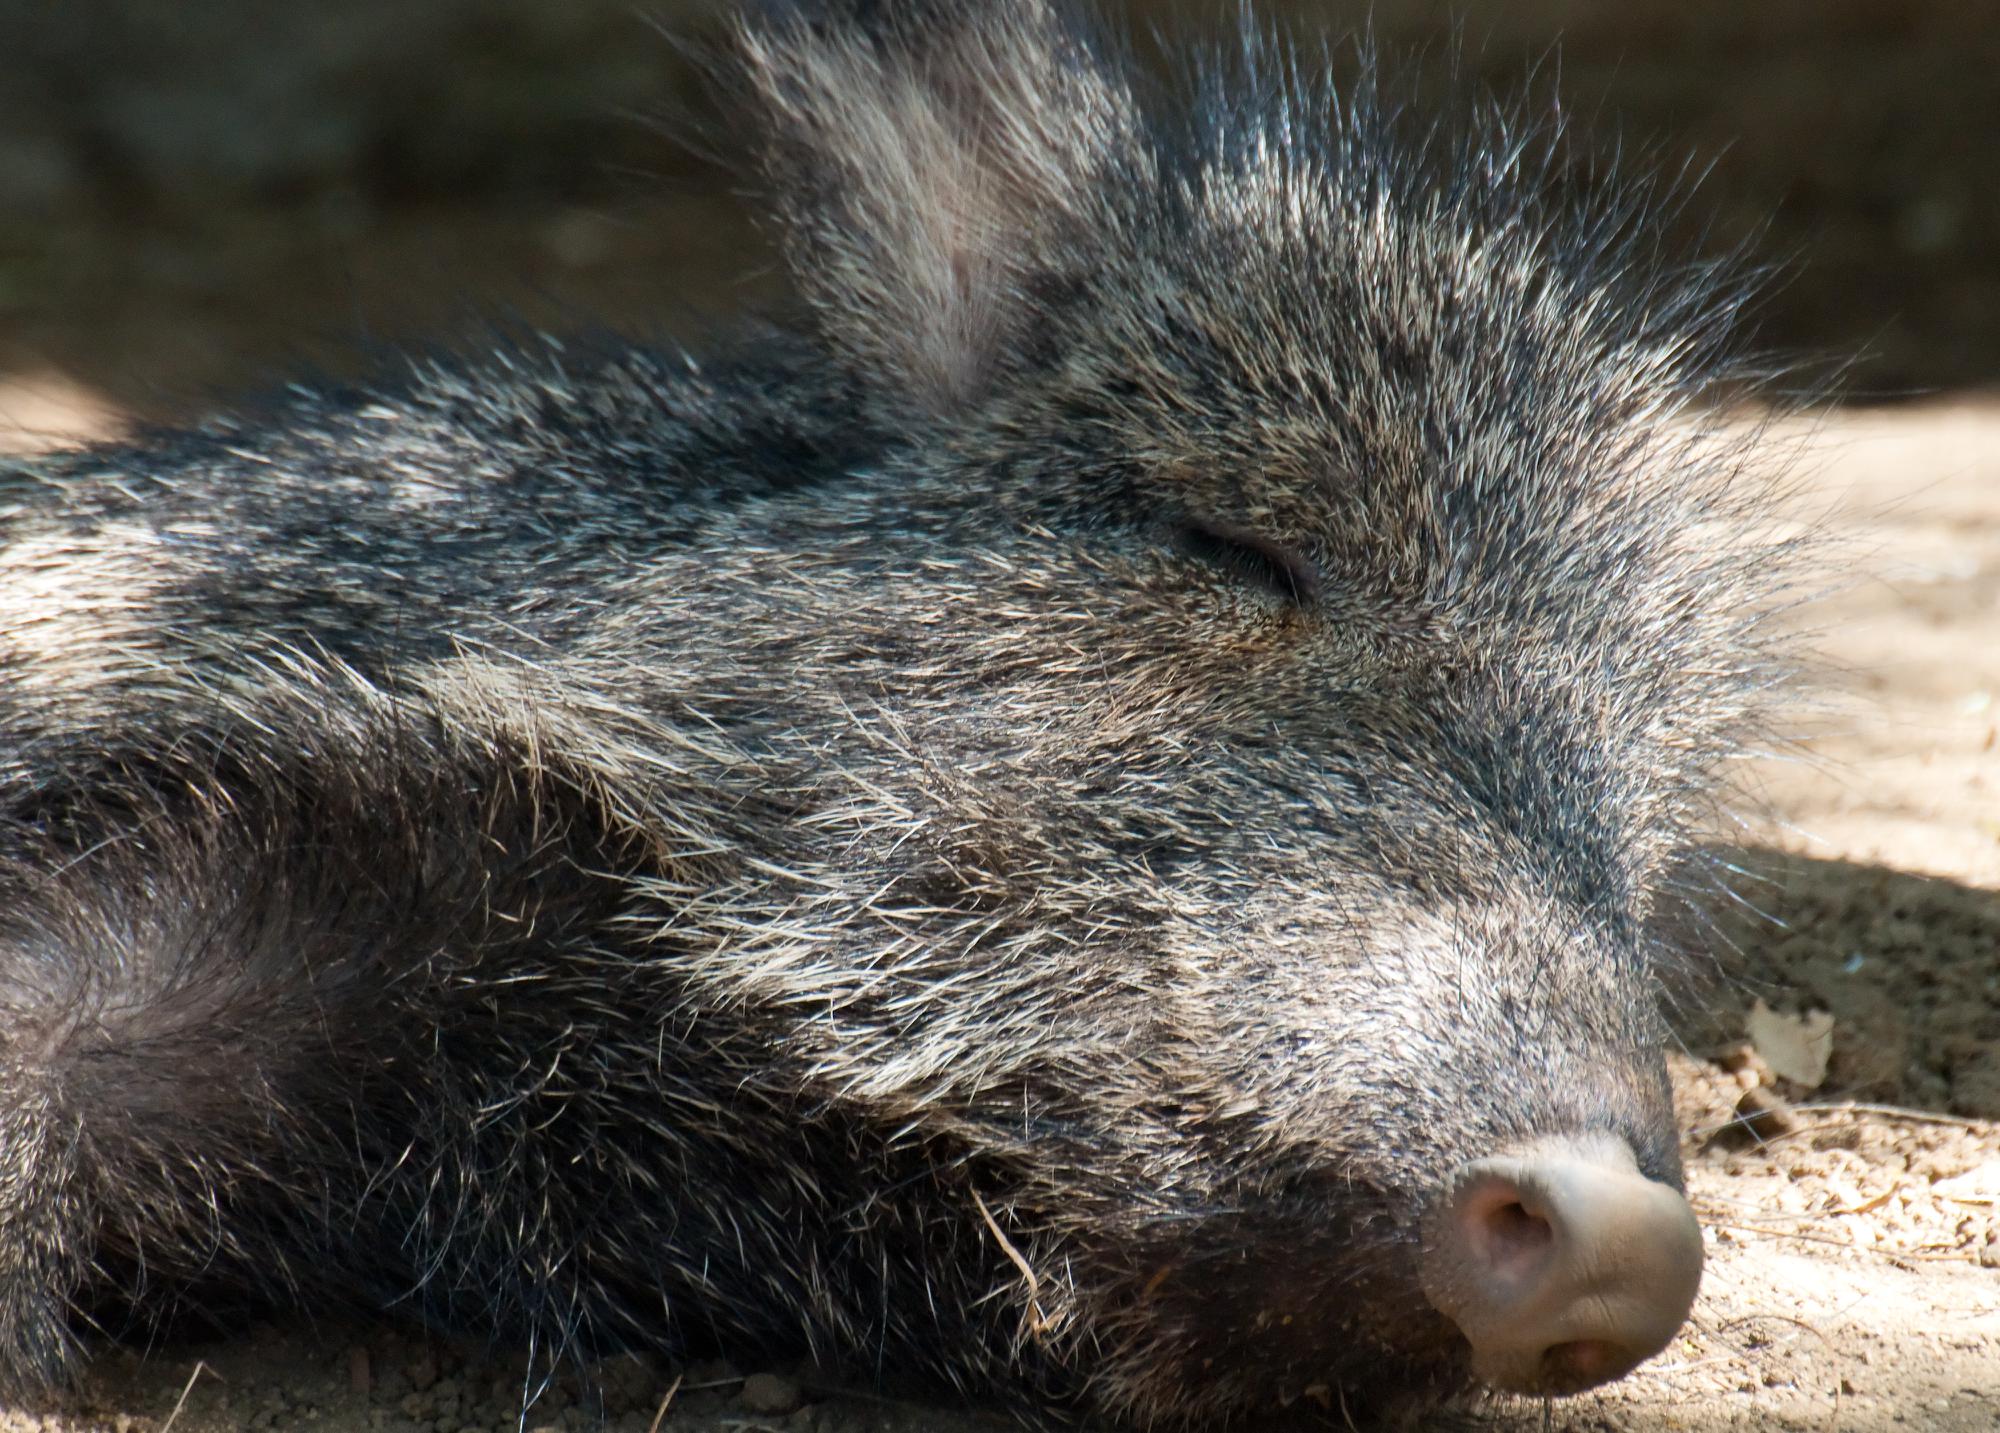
(1907, 965)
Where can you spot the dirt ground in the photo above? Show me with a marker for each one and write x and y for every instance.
(1854, 1233)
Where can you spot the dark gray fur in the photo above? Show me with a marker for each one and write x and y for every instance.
(1007, 828)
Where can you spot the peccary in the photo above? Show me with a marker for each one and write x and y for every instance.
(1085, 816)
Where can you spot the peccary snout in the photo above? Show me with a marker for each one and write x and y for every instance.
(1561, 1263)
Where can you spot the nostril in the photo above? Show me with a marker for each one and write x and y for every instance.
(1582, 1363)
(1512, 1239)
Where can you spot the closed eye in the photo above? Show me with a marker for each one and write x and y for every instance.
(1283, 571)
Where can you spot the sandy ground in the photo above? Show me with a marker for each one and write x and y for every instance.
(1854, 1235)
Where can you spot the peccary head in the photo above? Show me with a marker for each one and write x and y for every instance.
(1280, 648)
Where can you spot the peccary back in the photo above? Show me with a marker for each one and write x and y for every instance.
(1084, 814)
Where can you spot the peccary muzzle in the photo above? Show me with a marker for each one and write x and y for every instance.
(1088, 814)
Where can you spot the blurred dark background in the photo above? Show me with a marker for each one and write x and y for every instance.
(197, 194)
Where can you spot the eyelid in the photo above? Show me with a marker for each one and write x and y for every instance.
(1285, 570)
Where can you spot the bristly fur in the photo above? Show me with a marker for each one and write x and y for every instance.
(1006, 829)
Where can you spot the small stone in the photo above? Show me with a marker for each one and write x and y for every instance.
(768, 1393)
(629, 1384)
(1765, 1114)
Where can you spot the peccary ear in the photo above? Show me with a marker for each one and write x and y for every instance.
(931, 161)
